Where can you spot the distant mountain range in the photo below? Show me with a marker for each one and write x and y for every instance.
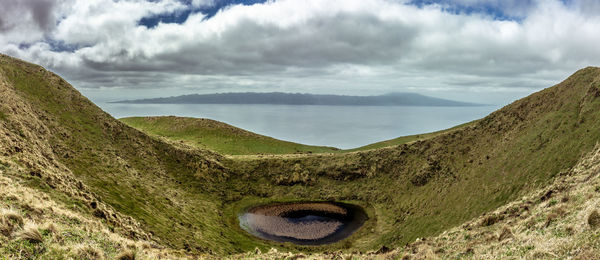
(279, 98)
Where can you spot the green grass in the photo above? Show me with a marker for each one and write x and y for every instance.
(227, 139)
(217, 136)
(406, 139)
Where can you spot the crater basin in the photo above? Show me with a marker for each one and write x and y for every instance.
(303, 223)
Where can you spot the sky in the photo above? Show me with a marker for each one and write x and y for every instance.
(492, 51)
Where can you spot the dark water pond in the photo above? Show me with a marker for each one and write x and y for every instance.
(303, 223)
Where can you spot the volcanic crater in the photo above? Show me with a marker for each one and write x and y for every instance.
(303, 223)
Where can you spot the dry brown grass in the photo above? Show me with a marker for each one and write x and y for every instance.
(588, 255)
(594, 219)
(550, 218)
(127, 255)
(31, 233)
(10, 221)
(51, 228)
(490, 220)
(60, 223)
(547, 229)
(505, 234)
(89, 252)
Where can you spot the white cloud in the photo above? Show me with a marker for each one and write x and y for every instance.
(94, 22)
(314, 45)
(202, 3)
(35, 17)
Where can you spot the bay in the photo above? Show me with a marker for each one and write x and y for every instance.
(343, 127)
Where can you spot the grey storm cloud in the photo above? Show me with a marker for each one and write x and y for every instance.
(38, 12)
(306, 46)
(249, 47)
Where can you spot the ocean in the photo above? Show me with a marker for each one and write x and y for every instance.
(343, 127)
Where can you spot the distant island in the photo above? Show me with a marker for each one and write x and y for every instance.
(280, 98)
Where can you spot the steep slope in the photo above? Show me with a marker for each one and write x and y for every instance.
(34, 224)
(557, 221)
(217, 136)
(138, 186)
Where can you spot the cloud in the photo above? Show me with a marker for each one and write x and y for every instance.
(202, 3)
(25, 21)
(15, 12)
(504, 9)
(322, 46)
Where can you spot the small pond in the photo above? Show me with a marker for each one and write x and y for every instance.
(303, 223)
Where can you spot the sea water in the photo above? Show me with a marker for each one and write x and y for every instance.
(337, 126)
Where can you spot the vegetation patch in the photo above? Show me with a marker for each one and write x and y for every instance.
(594, 219)
(217, 136)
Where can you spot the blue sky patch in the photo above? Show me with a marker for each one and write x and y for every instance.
(61, 46)
(497, 10)
(181, 16)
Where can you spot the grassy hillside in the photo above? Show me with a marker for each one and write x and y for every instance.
(406, 139)
(217, 136)
(59, 146)
(81, 156)
(226, 139)
(561, 220)
(34, 224)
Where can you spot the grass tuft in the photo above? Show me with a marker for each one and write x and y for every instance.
(594, 219)
(10, 221)
(32, 234)
(89, 252)
(126, 255)
(550, 218)
(505, 234)
(51, 228)
(490, 220)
